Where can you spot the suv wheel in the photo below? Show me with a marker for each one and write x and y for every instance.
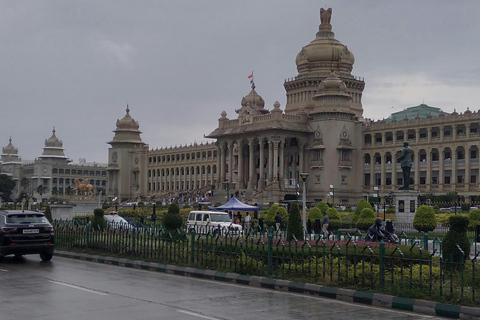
(45, 256)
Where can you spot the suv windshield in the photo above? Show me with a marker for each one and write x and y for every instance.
(26, 218)
(219, 217)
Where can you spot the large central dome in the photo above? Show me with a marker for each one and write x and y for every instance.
(325, 52)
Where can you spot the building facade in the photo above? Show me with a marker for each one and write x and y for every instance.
(261, 153)
(52, 173)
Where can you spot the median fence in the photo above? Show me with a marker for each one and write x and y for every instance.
(414, 268)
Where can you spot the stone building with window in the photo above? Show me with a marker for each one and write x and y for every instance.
(52, 173)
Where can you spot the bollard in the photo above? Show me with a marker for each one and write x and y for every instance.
(425, 241)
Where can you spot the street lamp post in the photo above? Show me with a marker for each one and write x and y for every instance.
(304, 177)
(378, 199)
(227, 185)
(99, 190)
(332, 192)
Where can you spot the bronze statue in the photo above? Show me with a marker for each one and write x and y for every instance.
(82, 187)
(406, 164)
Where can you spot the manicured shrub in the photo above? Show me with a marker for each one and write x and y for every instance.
(457, 235)
(425, 220)
(315, 214)
(335, 223)
(436, 208)
(48, 213)
(390, 209)
(284, 214)
(269, 218)
(366, 219)
(361, 205)
(98, 222)
(295, 226)
(323, 206)
(474, 218)
(172, 220)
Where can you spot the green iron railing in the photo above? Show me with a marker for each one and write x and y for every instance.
(415, 268)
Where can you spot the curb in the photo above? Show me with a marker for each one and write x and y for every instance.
(369, 298)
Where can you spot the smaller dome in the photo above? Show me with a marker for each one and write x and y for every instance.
(127, 122)
(253, 99)
(10, 149)
(53, 141)
(332, 83)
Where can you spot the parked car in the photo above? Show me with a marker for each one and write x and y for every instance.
(213, 222)
(26, 232)
(117, 222)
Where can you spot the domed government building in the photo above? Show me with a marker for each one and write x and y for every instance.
(263, 154)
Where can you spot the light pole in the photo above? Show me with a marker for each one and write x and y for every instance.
(304, 177)
(227, 185)
(378, 199)
(332, 192)
(99, 190)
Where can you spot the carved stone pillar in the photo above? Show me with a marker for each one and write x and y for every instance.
(270, 160)
(240, 164)
(251, 163)
(394, 169)
(429, 167)
(261, 182)
(219, 167)
(230, 161)
(275, 160)
(441, 167)
(282, 160)
(301, 147)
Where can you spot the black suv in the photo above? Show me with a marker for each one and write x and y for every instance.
(26, 232)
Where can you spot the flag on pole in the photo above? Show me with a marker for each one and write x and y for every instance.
(251, 75)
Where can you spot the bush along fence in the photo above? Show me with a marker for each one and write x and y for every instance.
(410, 269)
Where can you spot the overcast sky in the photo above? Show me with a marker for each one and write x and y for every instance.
(75, 65)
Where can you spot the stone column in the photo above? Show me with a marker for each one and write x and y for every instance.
(429, 168)
(301, 146)
(429, 134)
(230, 161)
(222, 157)
(240, 164)
(394, 137)
(441, 169)
(453, 180)
(261, 182)
(441, 133)
(394, 169)
(275, 160)
(219, 167)
(382, 171)
(416, 163)
(372, 171)
(270, 160)
(417, 135)
(467, 166)
(251, 164)
(282, 161)
(454, 133)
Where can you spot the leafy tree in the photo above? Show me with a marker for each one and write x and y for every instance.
(425, 220)
(390, 209)
(361, 205)
(295, 226)
(366, 219)
(24, 183)
(474, 218)
(6, 186)
(456, 235)
(48, 214)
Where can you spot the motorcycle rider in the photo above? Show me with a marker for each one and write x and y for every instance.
(376, 232)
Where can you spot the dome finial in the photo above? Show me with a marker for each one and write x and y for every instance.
(53, 131)
(128, 109)
(325, 17)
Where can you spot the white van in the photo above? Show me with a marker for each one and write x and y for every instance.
(204, 222)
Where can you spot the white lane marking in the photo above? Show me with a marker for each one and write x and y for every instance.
(197, 315)
(76, 287)
(4, 270)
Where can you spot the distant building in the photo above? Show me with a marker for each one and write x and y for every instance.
(50, 174)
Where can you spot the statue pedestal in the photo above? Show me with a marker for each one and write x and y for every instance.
(406, 203)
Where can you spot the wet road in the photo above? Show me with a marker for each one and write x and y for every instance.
(77, 290)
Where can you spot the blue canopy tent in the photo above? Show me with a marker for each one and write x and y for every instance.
(236, 205)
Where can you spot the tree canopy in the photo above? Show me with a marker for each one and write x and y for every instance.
(6, 186)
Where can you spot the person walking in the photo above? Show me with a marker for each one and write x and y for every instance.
(278, 221)
(325, 222)
(246, 224)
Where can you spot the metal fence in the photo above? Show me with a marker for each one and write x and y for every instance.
(414, 269)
